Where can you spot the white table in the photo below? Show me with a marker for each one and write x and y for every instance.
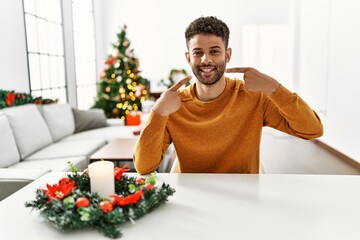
(210, 206)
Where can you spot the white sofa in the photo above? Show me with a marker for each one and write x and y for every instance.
(38, 139)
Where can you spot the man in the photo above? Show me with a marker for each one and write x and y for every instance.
(215, 123)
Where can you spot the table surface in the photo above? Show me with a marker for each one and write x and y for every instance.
(219, 206)
(116, 150)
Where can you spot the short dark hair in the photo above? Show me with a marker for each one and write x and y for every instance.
(207, 25)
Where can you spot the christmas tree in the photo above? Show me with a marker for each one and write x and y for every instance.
(121, 88)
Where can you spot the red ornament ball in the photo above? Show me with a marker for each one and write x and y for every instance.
(106, 206)
(149, 186)
(115, 111)
(82, 202)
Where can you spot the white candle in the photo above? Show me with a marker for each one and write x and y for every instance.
(102, 178)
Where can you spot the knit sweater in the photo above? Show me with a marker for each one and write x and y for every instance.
(223, 135)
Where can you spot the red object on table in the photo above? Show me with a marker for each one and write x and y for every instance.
(133, 119)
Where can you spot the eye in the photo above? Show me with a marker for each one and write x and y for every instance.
(197, 53)
(215, 52)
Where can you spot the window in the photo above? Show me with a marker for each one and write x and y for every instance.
(84, 45)
(47, 49)
(44, 32)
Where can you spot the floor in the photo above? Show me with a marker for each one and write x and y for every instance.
(284, 154)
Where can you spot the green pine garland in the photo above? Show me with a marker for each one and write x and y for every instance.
(65, 215)
(12, 98)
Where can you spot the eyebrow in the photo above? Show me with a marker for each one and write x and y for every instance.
(200, 49)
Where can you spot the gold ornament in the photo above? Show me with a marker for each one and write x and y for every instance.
(135, 107)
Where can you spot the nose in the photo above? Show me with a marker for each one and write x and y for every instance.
(205, 59)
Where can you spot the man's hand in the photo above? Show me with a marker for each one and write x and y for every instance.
(170, 102)
(256, 81)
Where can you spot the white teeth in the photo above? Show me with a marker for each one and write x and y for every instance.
(207, 70)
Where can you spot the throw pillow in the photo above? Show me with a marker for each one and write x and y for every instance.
(59, 119)
(9, 153)
(89, 119)
(29, 128)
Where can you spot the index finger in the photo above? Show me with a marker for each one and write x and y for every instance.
(237, 70)
(178, 85)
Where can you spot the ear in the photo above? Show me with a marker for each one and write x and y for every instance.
(187, 55)
(228, 55)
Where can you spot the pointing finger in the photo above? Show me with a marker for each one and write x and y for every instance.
(178, 85)
(237, 70)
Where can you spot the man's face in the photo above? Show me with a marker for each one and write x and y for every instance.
(207, 57)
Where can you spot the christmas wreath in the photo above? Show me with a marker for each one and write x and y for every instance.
(172, 74)
(69, 204)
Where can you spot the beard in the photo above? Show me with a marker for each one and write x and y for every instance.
(209, 78)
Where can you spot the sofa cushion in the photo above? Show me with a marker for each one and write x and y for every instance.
(12, 180)
(107, 133)
(19, 175)
(60, 120)
(30, 130)
(68, 149)
(9, 153)
(89, 119)
(55, 164)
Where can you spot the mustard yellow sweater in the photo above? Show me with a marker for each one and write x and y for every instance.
(223, 135)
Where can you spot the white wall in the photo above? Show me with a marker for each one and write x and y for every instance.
(343, 96)
(156, 28)
(13, 59)
(329, 69)
(269, 48)
(314, 48)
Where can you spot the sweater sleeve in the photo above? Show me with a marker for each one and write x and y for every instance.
(287, 112)
(152, 144)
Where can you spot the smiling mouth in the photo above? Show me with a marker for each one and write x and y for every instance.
(207, 70)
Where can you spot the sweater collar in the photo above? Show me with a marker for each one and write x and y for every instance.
(188, 93)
